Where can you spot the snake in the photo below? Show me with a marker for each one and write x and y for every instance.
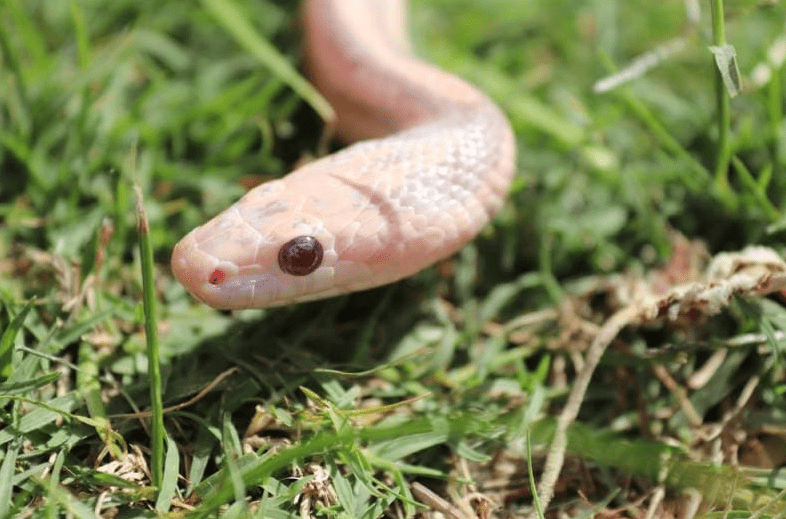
(429, 164)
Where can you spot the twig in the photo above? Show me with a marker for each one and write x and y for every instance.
(556, 455)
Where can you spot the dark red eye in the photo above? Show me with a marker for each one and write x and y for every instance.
(300, 256)
(217, 277)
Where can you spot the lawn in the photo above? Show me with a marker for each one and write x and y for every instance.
(612, 344)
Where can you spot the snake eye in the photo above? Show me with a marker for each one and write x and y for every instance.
(300, 256)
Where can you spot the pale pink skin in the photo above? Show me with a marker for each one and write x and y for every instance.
(382, 209)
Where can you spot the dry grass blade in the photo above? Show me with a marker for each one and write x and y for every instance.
(752, 272)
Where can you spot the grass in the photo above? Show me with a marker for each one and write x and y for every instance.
(438, 394)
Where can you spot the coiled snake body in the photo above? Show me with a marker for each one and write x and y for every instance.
(434, 164)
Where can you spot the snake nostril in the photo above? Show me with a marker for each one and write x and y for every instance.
(217, 277)
(300, 256)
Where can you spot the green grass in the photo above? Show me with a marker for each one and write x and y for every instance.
(350, 407)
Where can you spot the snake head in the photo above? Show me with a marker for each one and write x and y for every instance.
(261, 252)
(281, 243)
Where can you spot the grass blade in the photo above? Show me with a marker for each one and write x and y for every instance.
(157, 431)
(228, 14)
(169, 481)
(6, 475)
(7, 341)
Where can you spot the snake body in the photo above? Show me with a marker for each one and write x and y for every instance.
(433, 165)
